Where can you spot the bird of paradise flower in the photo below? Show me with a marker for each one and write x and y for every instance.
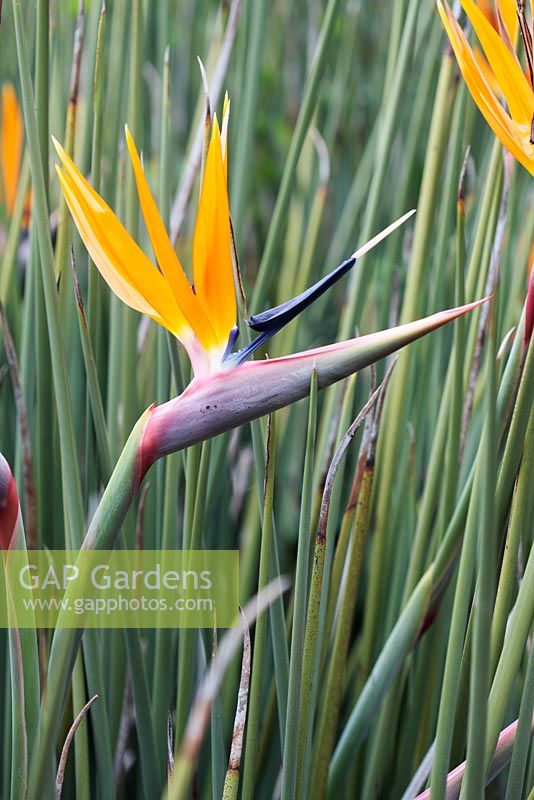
(514, 125)
(224, 391)
(202, 316)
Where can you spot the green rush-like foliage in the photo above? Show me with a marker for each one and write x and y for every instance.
(393, 659)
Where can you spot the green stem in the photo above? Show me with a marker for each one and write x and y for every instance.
(333, 691)
(307, 107)
(186, 637)
(473, 785)
(289, 776)
(399, 644)
(394, 412)
(517, 773)
(389, 119)
(130, 318)
(97, 298)
(242, 173)
(256, 686)
(522, 504)
(102, 535)
(43, 384)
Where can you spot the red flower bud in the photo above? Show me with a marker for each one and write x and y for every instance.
(9, 505)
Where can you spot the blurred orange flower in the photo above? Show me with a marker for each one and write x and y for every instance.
(11, 136)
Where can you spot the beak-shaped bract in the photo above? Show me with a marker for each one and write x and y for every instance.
(229, 398)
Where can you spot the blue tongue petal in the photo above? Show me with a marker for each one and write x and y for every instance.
(270, 322)
(274, 319)
(232, 339)
(279, 316)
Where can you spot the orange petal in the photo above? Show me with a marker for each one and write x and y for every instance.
(501, 13)
(117, 282)
(508, 14)
(515, 87)
(166, 256)
(212, 259)
(487, 72)
(120, 260)
(11, 137)
(502, 125)
(488, 9)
